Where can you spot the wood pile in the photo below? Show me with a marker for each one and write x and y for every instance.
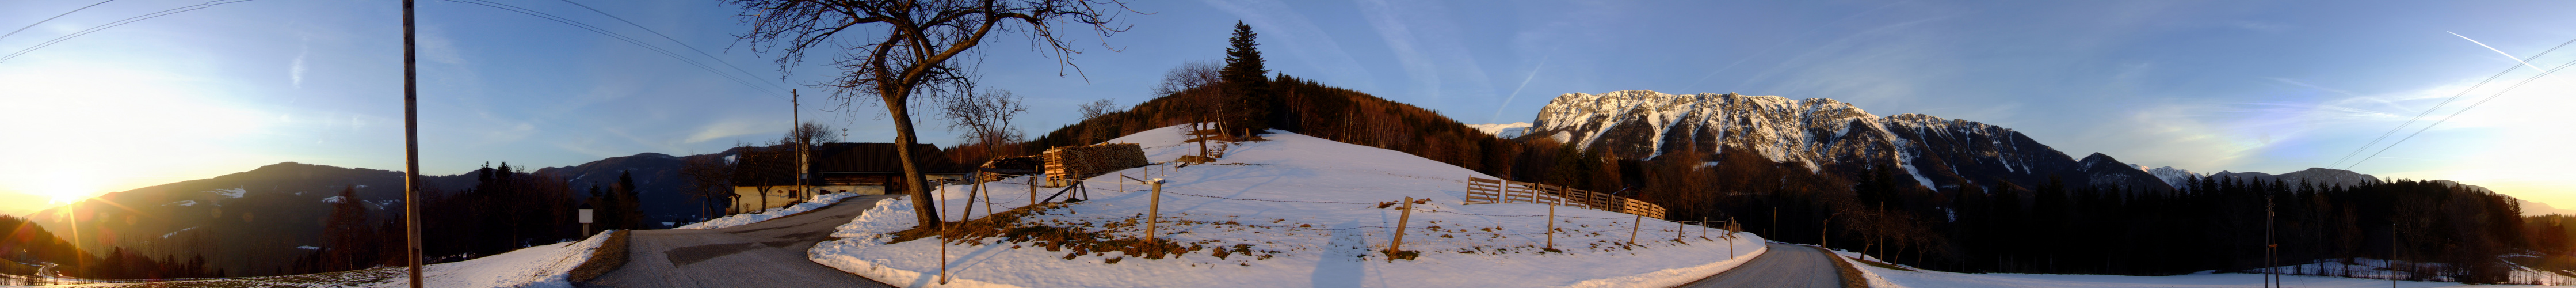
(1030, 163)
(1083, 162)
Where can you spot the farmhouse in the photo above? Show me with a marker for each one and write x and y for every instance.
(863, 168)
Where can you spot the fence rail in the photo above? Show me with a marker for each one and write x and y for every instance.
(1486, 191)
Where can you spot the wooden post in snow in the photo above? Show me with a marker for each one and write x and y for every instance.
(1551, 223)
(1632, 228)
(1153, 210)
(1678, 229)
(1400, 219)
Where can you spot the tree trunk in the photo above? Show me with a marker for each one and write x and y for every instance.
(926, 211)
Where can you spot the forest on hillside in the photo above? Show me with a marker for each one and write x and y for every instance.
(2437, 229)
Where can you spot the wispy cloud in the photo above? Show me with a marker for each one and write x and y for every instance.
(1282, 27)
(726, 129)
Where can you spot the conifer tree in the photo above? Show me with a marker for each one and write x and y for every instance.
(630, 214)
(1247, 81)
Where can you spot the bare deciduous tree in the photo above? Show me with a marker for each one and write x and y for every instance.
(709, 178)
(911, 50)
(1097, 108)
(985, 118)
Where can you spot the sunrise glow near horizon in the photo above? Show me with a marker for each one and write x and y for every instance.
(2269, 87)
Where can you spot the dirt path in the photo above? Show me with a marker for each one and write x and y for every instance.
(766, 254)
(1784, 266)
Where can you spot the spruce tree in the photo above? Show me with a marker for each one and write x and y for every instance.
(629, 213)
(1247, 82)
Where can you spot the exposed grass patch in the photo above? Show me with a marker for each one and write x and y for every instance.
(331, 279)
(1007, 226)
(610, 255)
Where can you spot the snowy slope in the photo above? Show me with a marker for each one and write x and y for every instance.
(1290, 211)
(1892, 278)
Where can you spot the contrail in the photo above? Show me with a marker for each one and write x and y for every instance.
(2507, 56)
(1765, 50)
(1516, 91)
(2543, 73)
(2356, 151)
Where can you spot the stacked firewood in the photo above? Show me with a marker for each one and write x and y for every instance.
(1083, 162)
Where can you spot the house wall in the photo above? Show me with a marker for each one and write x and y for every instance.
(748, 198)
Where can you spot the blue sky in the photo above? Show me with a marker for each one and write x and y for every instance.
(2272, 86)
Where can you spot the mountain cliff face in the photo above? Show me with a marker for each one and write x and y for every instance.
(1825, 135)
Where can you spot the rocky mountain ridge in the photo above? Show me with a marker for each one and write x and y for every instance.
(1826, 135)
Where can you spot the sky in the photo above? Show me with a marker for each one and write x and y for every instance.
(2208, 86)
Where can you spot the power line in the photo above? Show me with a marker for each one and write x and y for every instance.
(128, 20)
(2462, 111)
(2438, 106)
(33, 25)
(620, 37)
(673, 41)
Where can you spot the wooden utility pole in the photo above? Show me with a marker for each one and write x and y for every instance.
(411, 147)
(795, 131)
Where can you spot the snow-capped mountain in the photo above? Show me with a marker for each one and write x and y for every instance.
(1825, 135)
(1506, 130)
(2318, 176)
(2172, 176)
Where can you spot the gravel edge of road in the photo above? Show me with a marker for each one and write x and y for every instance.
(1852, 277)
(610, 255)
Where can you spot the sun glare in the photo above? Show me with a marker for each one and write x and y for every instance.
(66, 188)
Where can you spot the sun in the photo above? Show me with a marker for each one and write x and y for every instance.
(65, 188)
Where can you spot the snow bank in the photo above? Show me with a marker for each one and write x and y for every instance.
(1883, 277)
(540, 266)
(818, 201)
(1292, 211)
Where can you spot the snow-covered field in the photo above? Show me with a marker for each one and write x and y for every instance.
(1884, 278)
(811, 203)
(539, 266)
(1291, 211)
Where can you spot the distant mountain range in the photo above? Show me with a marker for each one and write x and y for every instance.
(1827, 136)
(257, 219)
(1831, 136)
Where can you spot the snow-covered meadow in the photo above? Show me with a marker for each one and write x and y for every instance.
(533, 267)
(1291, 210)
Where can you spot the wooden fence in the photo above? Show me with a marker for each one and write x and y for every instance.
(1481, 190)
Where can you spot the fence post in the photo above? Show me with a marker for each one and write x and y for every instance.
(1153, 210)
(1033, 188)
(1678, 229)
(1400, 219)
(1632, 228)
(1551, 223)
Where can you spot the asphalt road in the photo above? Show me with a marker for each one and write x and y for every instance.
(1784, 266)
(766, 254)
